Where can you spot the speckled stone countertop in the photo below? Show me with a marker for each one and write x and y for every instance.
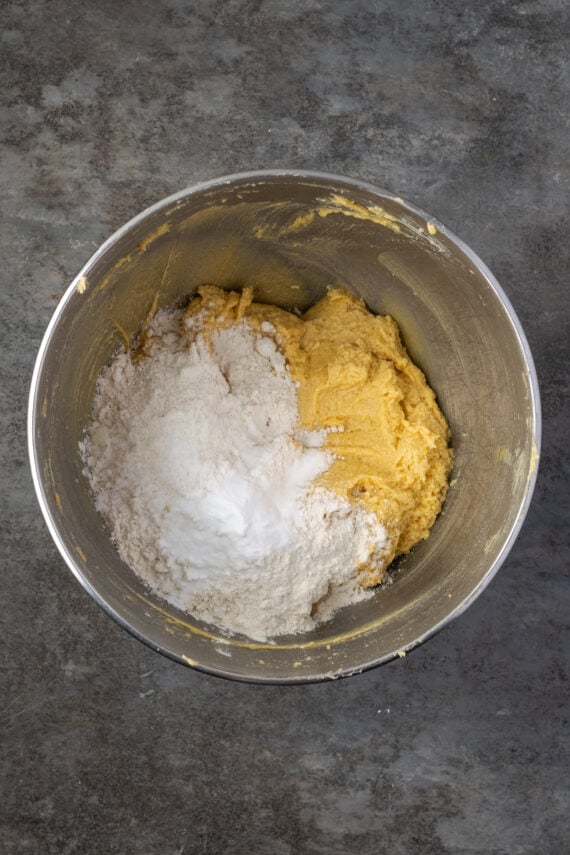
(462, 747)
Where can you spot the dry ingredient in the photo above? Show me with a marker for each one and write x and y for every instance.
(235, 458)
(199, 466)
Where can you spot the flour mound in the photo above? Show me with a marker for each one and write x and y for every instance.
(197, 464)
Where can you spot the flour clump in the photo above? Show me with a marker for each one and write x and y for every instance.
(210, 485)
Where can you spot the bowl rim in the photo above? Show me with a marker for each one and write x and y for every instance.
(320, 177)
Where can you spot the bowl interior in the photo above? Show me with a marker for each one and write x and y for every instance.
(291, 237)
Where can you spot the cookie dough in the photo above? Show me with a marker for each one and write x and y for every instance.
(356, 381)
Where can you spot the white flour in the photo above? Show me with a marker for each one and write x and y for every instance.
(197, 466)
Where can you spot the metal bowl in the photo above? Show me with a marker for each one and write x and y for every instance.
(291, 235)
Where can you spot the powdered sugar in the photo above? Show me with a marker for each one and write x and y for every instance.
(198, 465)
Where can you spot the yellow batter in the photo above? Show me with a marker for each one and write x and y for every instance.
(391, 443)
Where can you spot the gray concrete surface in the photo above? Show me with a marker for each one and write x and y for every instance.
(463, 746)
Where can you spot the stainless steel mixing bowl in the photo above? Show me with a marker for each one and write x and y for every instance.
(291, 235)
